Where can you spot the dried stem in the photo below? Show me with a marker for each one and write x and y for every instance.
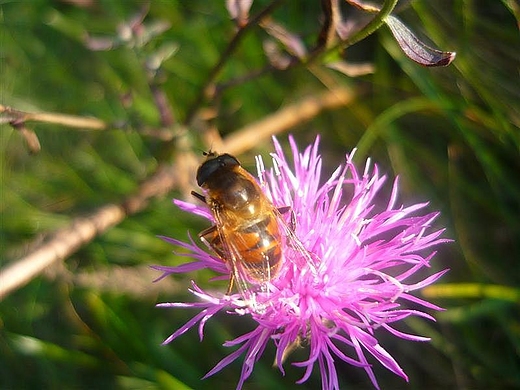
(82, 230)
(370, 28)
(325, 46)
(332, 17)
(162, 104)
(286, 118)
(15, 117)
(231, 47)
(374, 24)
(63, 243)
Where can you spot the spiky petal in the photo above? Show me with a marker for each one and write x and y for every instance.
(366, 254)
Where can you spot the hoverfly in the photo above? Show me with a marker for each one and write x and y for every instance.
(249, 234)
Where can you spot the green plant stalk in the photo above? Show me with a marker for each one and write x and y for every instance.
(370, 28)
(472, 290)
(373, 25)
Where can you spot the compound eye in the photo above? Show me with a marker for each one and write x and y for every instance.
(227, 160)
(209, 167)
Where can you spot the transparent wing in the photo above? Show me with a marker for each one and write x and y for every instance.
(295, 251)
(257, 276)
(252, 278)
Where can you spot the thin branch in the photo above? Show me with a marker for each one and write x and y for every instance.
(374, 24)
(177, 175)
(231, 47)
(332, 18)
(378, 21)
(17, 120)
(322, 48)
(254, 74)
(15, 117)
(81, 231)
(163, 105)
(154, 75)
(286, 118)
(61, 245)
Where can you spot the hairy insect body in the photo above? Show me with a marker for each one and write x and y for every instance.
(247, 232)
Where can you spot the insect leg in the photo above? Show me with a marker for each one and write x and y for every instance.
(199, 196)
(211, 237)
(284, 210)
(231, 282)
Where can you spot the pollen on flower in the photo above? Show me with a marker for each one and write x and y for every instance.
(344, 270)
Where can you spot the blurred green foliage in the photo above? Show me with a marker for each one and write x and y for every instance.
(451, 134)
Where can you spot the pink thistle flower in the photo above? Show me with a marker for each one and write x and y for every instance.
(365, 259)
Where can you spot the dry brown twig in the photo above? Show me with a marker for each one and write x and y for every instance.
(286, 118)
(209, 84)
(18, 119)
(13, 116)
(178, 175)
(82, 230)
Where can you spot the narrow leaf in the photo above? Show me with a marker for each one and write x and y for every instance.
(414, 48)
(291, 42)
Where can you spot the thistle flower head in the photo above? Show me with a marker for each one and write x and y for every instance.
(358, 279)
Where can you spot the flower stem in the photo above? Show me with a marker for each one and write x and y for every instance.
(370, 28)
(373, 25)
